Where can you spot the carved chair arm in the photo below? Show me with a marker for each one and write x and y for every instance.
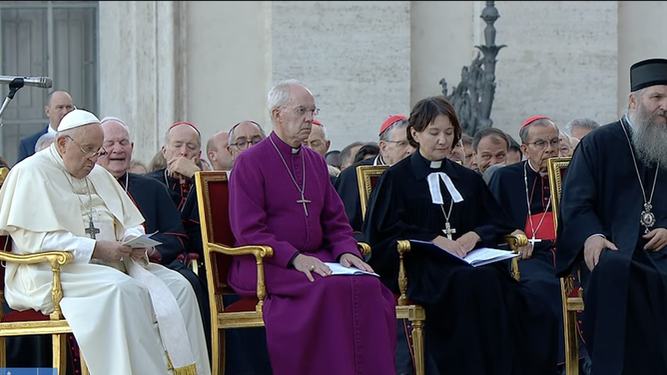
(403, 246)
(56, 259)
(364, 248)
(260, 252)
(515, 241)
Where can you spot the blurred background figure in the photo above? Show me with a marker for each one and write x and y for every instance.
(579, 127)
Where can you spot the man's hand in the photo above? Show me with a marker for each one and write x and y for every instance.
(593, 248)
(111, 251)
(526, 251)
(657, 239)
(182, 167)
(309, 264)
(450, 246)
(349, 260)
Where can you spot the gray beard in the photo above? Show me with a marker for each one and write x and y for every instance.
(649, 140)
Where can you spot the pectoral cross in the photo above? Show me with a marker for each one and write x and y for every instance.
(91, 230)
(448, 231)
(533, 240)
(304, 201)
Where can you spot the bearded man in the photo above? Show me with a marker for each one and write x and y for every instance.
(613, 216)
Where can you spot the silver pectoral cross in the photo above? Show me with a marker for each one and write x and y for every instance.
(533, 240)
(304, 201)
(91, 230)
(448, 231)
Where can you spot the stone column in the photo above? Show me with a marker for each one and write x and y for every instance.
(143, 68)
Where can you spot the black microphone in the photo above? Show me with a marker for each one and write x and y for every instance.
(43, 82)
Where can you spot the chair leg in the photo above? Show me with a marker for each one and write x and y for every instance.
(84, 367)
(59, 352)
(3, 352)
(571, 343)
(418, 344)
(215, 351)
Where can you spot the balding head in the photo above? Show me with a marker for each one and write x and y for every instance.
(118, 145)
(218, 152)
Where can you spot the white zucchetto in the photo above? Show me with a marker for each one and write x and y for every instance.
(76, 118)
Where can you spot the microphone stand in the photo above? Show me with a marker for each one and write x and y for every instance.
(14, 86)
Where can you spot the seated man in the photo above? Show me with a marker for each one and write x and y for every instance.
(490, 146)
(59, 199)
(346, 324)
(152, 200)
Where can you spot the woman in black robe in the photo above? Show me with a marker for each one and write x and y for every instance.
(479, 320)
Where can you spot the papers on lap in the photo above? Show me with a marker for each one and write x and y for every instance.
(339, 269)
(142, 241)
(476, 257)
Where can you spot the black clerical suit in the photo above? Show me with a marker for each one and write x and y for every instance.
(626, 298)
(479, 319)
(347, 186)
(513, 186)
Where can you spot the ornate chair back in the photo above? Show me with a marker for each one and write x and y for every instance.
(218, 245)
(571, 296)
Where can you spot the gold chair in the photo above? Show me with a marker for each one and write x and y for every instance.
(31, 322)
(367, 176)
(218, 245)
(571, 296)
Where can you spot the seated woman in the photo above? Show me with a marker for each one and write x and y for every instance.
(479, 320)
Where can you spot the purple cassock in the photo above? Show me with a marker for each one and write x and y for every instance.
(334, 325)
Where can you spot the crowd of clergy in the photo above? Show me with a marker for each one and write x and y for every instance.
(457, 191)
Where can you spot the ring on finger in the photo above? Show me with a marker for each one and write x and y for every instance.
(312, 268)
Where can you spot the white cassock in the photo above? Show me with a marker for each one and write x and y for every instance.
(123, 324)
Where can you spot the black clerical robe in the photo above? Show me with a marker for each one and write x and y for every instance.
(514, 186)
(347, 186)
(479, 319)
(178, 190)
(626, 296)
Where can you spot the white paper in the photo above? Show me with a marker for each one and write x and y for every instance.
(476, 257)
(339, 269)
(142, 241)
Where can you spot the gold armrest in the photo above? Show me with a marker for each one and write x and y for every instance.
(260, 252)
(515, 241)
(403, 246)
(56, 259)
(364, 248)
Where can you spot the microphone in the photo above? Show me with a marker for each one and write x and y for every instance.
(42, 82)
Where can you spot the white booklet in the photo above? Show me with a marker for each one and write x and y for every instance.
(477, 257)
(339, 269)
(144, 240)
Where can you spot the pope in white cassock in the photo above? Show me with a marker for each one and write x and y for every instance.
(126, 314)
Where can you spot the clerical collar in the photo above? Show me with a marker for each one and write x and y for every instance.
(378, 160)
(436, 164)
(542, 174)
(295, 150)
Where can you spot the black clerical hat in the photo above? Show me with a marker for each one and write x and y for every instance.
(648, 73)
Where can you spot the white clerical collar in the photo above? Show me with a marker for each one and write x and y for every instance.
(436, 164)
(378, 160)
(295, 150)
(542, 174)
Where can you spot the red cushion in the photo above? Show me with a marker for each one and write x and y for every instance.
(244, 304)
(24, 316)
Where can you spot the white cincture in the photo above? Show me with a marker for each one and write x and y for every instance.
(434, 188)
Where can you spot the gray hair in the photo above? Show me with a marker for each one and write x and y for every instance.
(398, 124)
(583, 122)
(47, 137)
(279, 95)
(230, 140)
(112, 118)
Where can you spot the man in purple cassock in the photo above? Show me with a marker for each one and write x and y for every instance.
(281, 196)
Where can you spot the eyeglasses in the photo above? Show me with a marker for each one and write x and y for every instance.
(243, 143)
(89, 154)
(541, 144)
(301, 111)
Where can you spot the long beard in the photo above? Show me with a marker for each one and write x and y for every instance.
(649, 136)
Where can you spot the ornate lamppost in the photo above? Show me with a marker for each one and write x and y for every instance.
(473, 97)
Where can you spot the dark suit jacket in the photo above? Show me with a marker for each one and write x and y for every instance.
(27, 144)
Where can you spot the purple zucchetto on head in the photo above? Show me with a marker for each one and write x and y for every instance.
(648, 73)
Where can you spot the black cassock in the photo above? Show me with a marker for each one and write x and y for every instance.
(509, 185)
(625, 316)
(478, 320)
(347, 186)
